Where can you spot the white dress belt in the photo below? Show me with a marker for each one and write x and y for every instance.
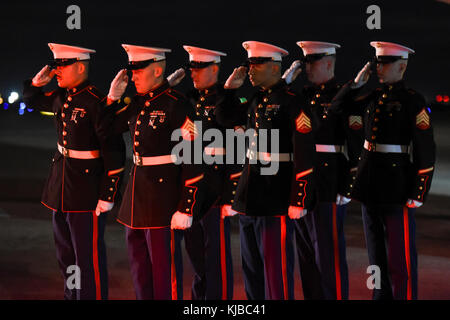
(329, 148)
(265, 156)
(385, 148)
(211, 151)
(153, 161)
(91, 154)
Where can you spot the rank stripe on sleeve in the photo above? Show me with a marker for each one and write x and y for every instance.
(423, 120)
(303, 123)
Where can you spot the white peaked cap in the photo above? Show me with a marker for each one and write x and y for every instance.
(316, 47)
(256, 49)
(140, 53)
(63, 51)
(203, 55)
(390, 49)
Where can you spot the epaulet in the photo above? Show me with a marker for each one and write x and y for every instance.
(95, 92)
(174, 94)
(416, 97)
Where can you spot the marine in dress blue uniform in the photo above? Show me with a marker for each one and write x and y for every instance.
(391, 181)
(208, 242)
(336, 131)
(160, 194)
(264, 200)
(86, 170)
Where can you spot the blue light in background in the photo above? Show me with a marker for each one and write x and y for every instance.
(5, 106)
(21, 111)
(22, 106)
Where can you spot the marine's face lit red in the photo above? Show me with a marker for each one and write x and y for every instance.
(144, 79)
(68, 76)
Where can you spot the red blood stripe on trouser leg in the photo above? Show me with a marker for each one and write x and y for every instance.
(337, 267)
(283, 256)
(407, 250)
(172, 266)
(98, 292)
(223, 261)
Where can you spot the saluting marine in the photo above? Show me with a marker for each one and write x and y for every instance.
(86, 170)
(265, 198)
(335, 132)
(208, 242)
(388, 183)
(160, 194)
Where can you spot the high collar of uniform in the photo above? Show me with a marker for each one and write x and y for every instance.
(78, 88)
(211, 90)
(332, 83)
(277, 86)
(156, 91)
(393, 86)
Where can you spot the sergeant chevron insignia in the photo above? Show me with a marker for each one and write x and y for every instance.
(355, 122)
(303, 123)
(423, 120)
(189, 130)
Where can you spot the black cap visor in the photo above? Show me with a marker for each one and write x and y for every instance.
(136, 65)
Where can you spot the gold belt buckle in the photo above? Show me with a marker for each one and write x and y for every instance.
(65, 152)
(138, 160)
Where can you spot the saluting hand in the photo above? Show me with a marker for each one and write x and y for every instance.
(43, 77)
(362, 77)
(237, 78)
(176, 77)
(292, 73)
(296, 212)
(118, 85)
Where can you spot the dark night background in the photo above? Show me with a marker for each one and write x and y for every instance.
(27, 27)
(28, 267)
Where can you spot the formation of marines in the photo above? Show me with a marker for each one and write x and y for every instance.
(334, 142)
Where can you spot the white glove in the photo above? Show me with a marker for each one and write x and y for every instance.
(292, 73)
(413, 203)
(236, 79)
(296, 212)
(43, 77)
(176, 77)
(340, 200)
(103, 206)
(118, 85)
(226, 211)
(180, 221)
(362, 77)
